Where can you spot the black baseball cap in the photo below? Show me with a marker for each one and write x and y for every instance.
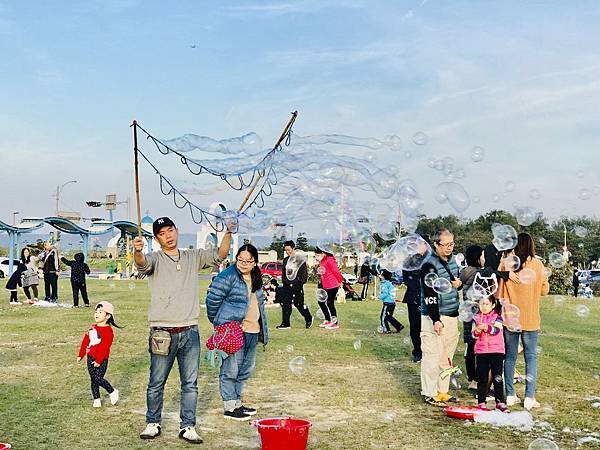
(162, 222)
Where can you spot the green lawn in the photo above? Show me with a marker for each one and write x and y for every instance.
(356, 399)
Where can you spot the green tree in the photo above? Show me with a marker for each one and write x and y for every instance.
(302, 242)
(277, 245)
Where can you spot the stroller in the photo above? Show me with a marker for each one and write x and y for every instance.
(350, 292)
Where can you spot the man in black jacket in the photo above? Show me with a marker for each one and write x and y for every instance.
(412, 298)
(294, 276)
(51, 270)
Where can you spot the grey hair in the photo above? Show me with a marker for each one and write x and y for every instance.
(441, 232)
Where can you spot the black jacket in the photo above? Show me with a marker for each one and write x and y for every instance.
(492, 260)
(412, 280)
(15, 278)
(301, 276)
(78, 268)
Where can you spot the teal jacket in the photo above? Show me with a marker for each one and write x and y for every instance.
(435, 304)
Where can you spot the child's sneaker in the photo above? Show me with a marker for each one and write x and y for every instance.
(325, 324)
(114, 397)
(482, 407)
(512, 400)
(97, 403)
(332, 326)
(530, 403)
(502, 407)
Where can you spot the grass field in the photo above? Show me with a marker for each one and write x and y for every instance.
(356, 399)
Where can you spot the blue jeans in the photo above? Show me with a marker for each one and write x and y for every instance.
(236, 370)
(511, 343)
(185, 346)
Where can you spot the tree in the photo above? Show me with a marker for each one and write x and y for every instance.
(277, 245)
(302, 242)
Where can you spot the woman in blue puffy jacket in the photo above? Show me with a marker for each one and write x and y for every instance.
(236, 294)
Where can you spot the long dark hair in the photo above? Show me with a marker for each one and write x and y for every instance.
(473, 255)
(255, 274)
(111, 320)
(23, 259)
(525, 248)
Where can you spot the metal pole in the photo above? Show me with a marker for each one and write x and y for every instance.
(85, 239)
(137, 180)
(11, 251)
(57, 194)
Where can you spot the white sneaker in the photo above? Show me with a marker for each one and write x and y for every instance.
(512, 400)
(151, 431)
(114, 397)
(97, 403)
(530, 402)
(189, 434)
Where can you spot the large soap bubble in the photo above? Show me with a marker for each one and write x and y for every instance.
(557, 260)
(511, 316)
(453, 193)
(527, 276)
(581, 231)
(296, 365)
(582, 311)
(467, 310)
(407, 253)
(321, 295)
(505, 237)
(442, 285)
(542, 444)
(430, 278)
(420, 138)
(477, 154)
(526, 215)
(512, 263)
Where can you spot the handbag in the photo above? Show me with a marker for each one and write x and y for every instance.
(363, 280)
(225, 340)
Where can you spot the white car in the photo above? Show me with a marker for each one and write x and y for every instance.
(4, 266)
(349, 278)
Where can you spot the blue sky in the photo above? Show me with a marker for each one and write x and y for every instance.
(521, 79)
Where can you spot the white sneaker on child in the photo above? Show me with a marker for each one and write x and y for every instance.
(114, 397)
(97, 403)
(512, 400)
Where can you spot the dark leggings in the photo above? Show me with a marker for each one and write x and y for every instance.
(387, 317)
(328, 306)
(470, 361)
(33, 288)
(13, 296)
(485, 362)
(97, 377)
(365, 290)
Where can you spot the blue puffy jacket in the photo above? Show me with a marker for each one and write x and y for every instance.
(228, 300)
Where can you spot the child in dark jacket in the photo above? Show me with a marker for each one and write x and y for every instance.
(78, 271)
(14, 282)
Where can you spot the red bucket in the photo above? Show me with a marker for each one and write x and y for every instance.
(282, 433)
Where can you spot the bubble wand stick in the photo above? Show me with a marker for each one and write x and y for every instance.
(137, 180)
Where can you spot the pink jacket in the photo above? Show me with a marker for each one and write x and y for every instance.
(490, 340)
(332, 277)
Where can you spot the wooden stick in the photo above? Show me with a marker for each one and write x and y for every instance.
(137, 179)
(279, 141)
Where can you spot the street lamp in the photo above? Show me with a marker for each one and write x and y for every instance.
(14, 217)
(59, 190)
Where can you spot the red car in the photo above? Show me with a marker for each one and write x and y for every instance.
(273, 269)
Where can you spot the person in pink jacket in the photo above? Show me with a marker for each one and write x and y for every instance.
(489, 350)
(331, 279)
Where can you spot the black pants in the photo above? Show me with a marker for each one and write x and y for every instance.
(387, 317)
(364, 292)
(328, 306)
(97, 377)
(79, 287)
(414, 320)
(51, 286)
(575, 290)
(13, 296)
(485, 362)
(470, 361)
(33, 288)
(293, 295)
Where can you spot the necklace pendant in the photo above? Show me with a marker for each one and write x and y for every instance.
(178, 267)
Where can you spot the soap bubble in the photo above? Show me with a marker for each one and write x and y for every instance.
(542, 241)
(557, 260)
(290, 348)
(580, 245)
(534, 194)
(296, 365)
(580, 174)
(542, 444)
(357, 344)
(559, 300)
(459, 258)
(442, 285)
(320, 314)
(583, 194)
(430, 278)
(229, 219)
(505, 237)
(526, 215)
(477, 154)
(582, 311)
(512, 263)
(131, 286)
(321, 295)
(509, 186)
(389, 416)
(407, 253)
(467, 310)
(476, 199)
(581, 231)
(511, 316)
(112, 285)
(527, 276)
(420, 138)
(453, 193)
(393, 142)
(547, 272)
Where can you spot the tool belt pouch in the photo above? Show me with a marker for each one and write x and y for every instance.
(160, 341)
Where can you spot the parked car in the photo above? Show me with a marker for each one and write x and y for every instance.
(273, 269)
(4, 266)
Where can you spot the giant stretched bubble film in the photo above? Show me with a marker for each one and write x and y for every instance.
(407, 253)
(505, 237)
